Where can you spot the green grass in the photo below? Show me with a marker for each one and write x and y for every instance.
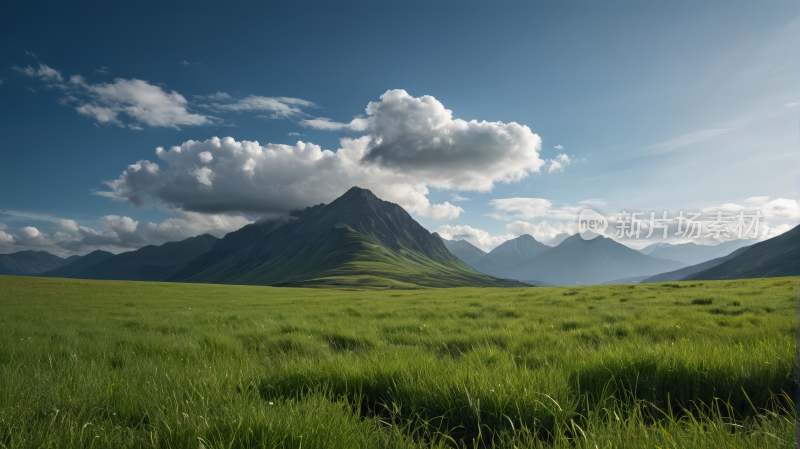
(126, 364)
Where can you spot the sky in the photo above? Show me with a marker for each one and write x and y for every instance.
(141, 123)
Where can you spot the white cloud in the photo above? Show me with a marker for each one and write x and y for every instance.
(3, 225)
(30, 53)
(531, 208)
(558, 164)
(326, 124)
(281, 107)
(295, 134)
(457, 197)
(420, 137)
(44, 72)
(477, 237)
(781, 209)
(558, 147)
(543, 232)
(595, 202)
(6, 238)
(138, 100)
(205, 157)
(757, 200)
(120, 225)
(415, 145)
(103, 70)
(205, 175)
(501, 217)
(117, 233)
(217, 96)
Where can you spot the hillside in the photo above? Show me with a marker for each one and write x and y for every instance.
(357, 240)
(692, 254)
(509, 255)
(148, 263)
(677, 275)
(463, 249)
(583, 262)
(26, 263)
(776, 257)
(74, 268)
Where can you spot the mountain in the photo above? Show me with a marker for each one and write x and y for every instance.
(463, 249)
(778, 256)
(633, 280)
(652, 247)
(26, 263)
(71, 269)
(555, 241)
(147, 263)
(509, 255)
(584, 262)
(357, 240)
(692, 254)
(677, 275)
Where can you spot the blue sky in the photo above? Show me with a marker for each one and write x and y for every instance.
(653, 105)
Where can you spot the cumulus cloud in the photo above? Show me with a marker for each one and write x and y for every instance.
(246, 177)
(558, 147)
(414, 144)
(457, 197)
(295, 134)
(44, 72)
(558, 164)
(6, 238)
(420, 136)
(117, 233)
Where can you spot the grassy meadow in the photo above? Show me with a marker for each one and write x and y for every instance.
(112, 364)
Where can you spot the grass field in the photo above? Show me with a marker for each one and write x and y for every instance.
(123, 364)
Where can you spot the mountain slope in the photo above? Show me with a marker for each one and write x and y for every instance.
(150, 262)
(677, 275)
(584, 262)
(26, 263)
(693, 254)
(509, 255)
(778, 256)
(358, 237)
(654, 246)
(84, 263)
(463, 249)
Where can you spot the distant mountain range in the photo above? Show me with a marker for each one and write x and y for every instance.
(148, 263)
(361, 241)
(682, 273)
(75, 268)
(691, 253)
(504, 259)
(584, 262)
(463, 249)
(778, 256)
(26, 263)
